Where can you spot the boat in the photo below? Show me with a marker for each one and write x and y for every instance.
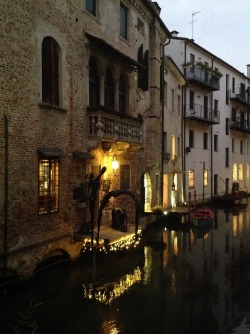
(202, 217)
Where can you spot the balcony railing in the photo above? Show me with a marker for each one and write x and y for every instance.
(241, 95)
(240, 125)
(203, 78)
(203, 114)
(106, 125)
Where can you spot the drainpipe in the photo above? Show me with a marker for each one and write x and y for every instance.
(212, 132)
(163, 104)
(5, 204)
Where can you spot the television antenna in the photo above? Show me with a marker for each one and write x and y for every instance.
(192, 22)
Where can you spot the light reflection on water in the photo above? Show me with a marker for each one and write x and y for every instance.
(190, 281)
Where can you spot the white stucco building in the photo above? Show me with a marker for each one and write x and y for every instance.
(216, 125)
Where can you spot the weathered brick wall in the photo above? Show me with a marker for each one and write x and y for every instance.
(23, 25)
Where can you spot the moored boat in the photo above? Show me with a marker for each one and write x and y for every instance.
(202, 217)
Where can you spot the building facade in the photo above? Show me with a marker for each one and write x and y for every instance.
(80, 90)
(216, 121)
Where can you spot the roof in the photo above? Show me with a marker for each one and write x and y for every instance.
(110, 50)
(191, 41)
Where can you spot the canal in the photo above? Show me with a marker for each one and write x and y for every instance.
(179, 280)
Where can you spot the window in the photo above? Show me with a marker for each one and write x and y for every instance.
(215, 143)
(205, 141)
(179, 105)
(191, 100)
(50, 71)
(122, 95)
(241, 147)
(234, 118)
(172, 99)
(248, 171)
(227, 126)
(191, 179)
(123, 21)
(93, 83)
(205, 176)
(140, 26)
(125, 177)
(91, 6)
(192, 60)
(109, 90)
(233, 145)
(142, 71)
(240, 172)
(227, 157)
(48, 200)
(227, 89)
(233, 85)
(216, 108)
(234, 172)
(172, 147)
(205, 107)
(191, 138)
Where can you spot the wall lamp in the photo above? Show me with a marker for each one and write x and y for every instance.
(115, 164)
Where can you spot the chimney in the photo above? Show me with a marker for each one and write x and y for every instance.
(248, 71)
(174, 33)
(156, 7)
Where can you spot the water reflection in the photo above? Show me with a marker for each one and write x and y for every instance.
(182, 281)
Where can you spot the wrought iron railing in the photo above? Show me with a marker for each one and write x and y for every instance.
(202, 113)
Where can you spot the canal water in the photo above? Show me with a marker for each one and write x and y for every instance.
(178, 280)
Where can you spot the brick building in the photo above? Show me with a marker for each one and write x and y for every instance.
(80, 89)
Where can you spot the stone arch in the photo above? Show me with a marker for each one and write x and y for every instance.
(117, 193)
(53, 256)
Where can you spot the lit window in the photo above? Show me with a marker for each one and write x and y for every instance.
(234, 172)
(205, 177)
(123, 22)
(240, 172)
(48, 200)
(50, 71)
(191, 179)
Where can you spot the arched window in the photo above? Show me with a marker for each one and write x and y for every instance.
(122, 95)
(93, 83)
(109, 90)
(234, 172)
(50, 71)
(240, 172)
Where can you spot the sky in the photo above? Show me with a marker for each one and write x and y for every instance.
(222, 27)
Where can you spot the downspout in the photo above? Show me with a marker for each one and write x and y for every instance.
(212, 133)
(163, 119)
(184, 97)
(5, 204)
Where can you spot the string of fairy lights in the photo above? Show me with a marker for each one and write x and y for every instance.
(124, 243)
(106, 293)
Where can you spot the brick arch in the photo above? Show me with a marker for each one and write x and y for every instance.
(52, 257)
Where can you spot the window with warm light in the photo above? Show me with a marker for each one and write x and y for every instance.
(48, 200)
(248, 171)
(240, 172)
(205, 177)
(234, 172)
(191, 179)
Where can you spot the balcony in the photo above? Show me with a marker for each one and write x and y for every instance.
(240, 125)
(108, 126)
(202, 114)
(203, 78)
(241, 96)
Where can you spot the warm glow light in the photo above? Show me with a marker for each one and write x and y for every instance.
(115, 164)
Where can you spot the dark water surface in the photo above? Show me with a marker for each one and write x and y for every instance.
(198, 283)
